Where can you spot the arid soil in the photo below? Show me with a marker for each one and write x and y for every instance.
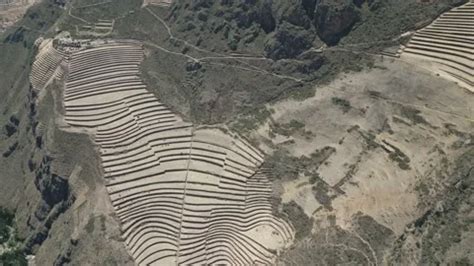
(401, 123)
(12, 12)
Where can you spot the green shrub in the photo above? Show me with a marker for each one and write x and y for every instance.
(344, 104)
(6, 221)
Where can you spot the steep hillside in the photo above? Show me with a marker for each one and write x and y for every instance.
(285, 29)
(368, 161)
(285, 108)
(48, 180)
(12, 10)
(282, 47)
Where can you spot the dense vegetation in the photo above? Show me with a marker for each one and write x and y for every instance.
(6, 220)
(10, 251)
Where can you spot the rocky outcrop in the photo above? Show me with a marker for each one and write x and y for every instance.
(305, 64)
(293, 12)
(334, 19)
(11, 127)
(288, 27)
(56, 197)
(358, 3)
(309, 6)
(288, 42)
(54, 191)
(251, 26)
(234, 22)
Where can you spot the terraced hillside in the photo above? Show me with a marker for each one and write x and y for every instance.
(46, 65)
(183, 195)
(447, 45)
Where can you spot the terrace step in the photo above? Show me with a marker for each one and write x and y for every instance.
(448, 43)
(183, 195)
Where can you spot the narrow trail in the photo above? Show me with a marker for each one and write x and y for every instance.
(233, 57)
(344, 246)
(419, 66)
(197, 60)
(170, 52)
(467, 118)
(260, 71)
(184, 195)
(368, 245)
(220, 56)
(170, 34)
(91, 5)
(69, 12)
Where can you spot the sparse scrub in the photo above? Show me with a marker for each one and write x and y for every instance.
(413, 115)
(401, 159)
(300, 221)
(321, 192)
(344, 104)
(283, 166)
(369, 138)
(382, 23)
(287, 129)
(10, 150)
(250, 121)
(447, 220)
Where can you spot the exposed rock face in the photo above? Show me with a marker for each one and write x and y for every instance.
(56, 197)
(235, 22)
(292, 12)
(287, 27)
(358, 3)
(287, 42)
(54, 189)
(334, 19)
(250, 12)
(12, 126)
(309, 7)
(265, 17)
(254, 25)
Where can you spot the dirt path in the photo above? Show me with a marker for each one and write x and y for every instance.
(220, 56)
(69, 12)
(467, 118)
(184, 195)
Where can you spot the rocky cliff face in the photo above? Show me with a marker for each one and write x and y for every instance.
(47, 194)
(283, 28)
(36, 191)
(56, 197)
(286, 28)
(37, 162)
(335, 19)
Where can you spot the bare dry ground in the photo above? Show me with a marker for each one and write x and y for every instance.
(393, 131)
(12, 11)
